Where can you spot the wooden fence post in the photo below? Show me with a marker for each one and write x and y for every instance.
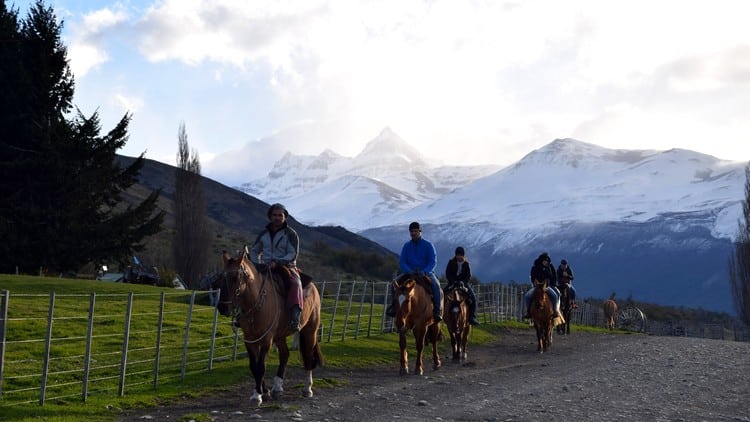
(47, 345)
(125, 340)
(87, 354)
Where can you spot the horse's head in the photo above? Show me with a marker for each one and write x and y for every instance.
(238, 273)
(540, 291)
(404, 293)
(454, 297)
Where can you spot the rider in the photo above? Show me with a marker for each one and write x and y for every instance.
(418, 257)
(458, 271)
(565, 276)
(541, 271)
(278, 245)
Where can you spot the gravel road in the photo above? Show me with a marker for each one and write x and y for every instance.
(586, 376)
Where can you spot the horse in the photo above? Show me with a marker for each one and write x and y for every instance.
(542, 313)
(413, 308)
(610, 312)
(258, 303)
(566, 308)
(456, 308)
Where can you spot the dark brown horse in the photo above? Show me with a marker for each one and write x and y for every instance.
(413, 308)
(456, 309)
(542, 313)
(258, 303)
(566, 308)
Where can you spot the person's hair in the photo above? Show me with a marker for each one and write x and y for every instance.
(460, 251)
(277, 206)
(415, 226)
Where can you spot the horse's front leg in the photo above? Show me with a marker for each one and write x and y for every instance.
(419, 335)
(455, 348)
(434, 333)
(257, 356)
(278, 380)
(539, 337)
(404, 354)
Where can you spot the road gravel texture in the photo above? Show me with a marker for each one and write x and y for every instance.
(584, 377)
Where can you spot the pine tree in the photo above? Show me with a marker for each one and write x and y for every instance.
(59, 179)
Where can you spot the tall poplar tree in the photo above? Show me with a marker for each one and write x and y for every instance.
(192, 239)
(60, 182)
(739, 262)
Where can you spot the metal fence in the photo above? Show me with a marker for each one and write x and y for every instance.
(57, 347)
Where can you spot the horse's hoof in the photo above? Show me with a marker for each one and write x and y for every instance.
(256, 400)
(403, 371)
(276, 394)
(307, 393)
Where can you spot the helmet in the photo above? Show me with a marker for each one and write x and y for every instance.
(277, 206)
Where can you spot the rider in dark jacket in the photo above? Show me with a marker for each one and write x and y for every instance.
(565, 276)
(458, 270)
(540, 271)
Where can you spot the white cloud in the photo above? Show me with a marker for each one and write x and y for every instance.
(86, 45)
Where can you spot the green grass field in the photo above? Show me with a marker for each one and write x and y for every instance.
(28, 312)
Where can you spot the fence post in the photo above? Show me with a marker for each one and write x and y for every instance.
(47, 345)
(348, 310)
(386, 303)
(361, 306)
(3, 331)
(125, 339)
(372, 308)
(322, 327)
(187, 337)
(333, 312)
(213, 339)
(157, 352)
(87, 357)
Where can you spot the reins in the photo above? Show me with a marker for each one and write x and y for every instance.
(249, 313)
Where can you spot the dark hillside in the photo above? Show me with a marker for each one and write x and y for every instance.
(238, 217)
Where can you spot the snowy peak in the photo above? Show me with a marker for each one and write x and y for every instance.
(388, 147)
(404, 179)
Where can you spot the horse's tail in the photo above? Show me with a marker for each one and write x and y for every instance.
(312, 355)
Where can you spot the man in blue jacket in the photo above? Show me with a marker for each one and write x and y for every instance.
(418, 257)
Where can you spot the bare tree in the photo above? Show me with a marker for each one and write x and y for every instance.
(739, 262)
(192, 240)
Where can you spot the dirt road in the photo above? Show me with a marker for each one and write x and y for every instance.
(590, 377)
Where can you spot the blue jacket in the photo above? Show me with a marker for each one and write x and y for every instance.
(418, 256)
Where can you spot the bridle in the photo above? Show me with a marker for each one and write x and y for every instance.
(245, 278)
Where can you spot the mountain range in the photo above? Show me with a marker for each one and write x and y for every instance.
(656, 226)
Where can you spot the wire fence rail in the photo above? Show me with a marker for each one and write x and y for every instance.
(76, 346)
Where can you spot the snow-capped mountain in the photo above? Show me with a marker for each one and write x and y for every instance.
(389, 176)
(657, 225)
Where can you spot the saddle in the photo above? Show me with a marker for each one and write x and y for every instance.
(281, 277)
(423, 281)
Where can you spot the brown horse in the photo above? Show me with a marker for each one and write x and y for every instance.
(413, 308)
(542, 313)
(258, 304)
(610, 312)
(566, 308)
(457, 320)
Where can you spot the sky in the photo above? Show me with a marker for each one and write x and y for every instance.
(465, 82)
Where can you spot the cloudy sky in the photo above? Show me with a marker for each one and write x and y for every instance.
(466, 82)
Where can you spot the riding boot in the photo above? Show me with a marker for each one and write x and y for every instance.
(436, 314)
(294, 318)
(473, 315)
(389, 311)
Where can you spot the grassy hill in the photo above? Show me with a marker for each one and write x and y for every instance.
(327, 253)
